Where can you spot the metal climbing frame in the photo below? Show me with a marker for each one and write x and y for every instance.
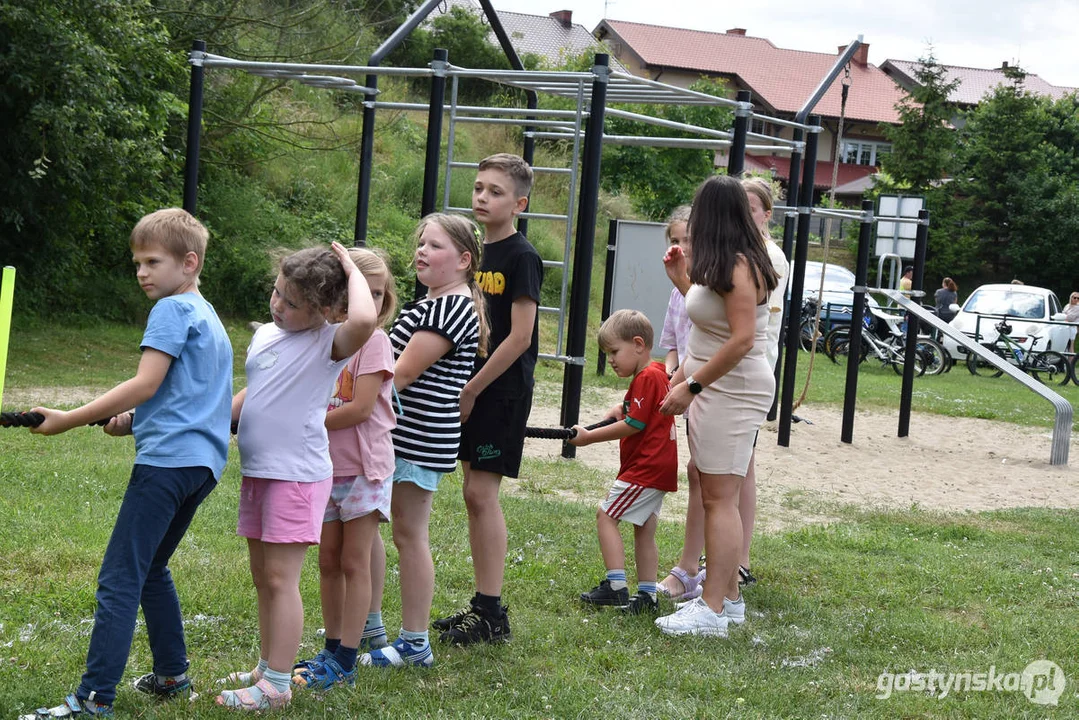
(582, 128)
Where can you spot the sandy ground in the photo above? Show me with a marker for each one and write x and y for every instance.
(947, 464)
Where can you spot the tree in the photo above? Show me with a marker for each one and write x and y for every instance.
(85, 101)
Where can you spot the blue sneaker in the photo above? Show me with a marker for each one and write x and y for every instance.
(398, 654)
(324, 675)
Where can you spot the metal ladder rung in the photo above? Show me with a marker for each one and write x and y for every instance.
(535, 168)
(553, 263)
(549, 310)
(529, 215)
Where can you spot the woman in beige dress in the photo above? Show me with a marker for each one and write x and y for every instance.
(727, 384)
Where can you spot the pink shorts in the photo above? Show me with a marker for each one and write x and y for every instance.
(356, 496)
(282, 511)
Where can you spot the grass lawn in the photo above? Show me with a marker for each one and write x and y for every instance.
(837, 605)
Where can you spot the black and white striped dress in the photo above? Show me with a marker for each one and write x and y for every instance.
(429, 432)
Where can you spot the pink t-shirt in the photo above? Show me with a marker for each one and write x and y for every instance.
(290, 376)
(367, 448)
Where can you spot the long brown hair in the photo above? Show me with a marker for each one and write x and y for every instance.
(722, 229)
(465, 235)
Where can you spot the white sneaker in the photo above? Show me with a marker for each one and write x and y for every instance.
(694, 618)
(735, 611)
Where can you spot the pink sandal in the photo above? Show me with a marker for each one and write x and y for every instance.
(691, 584)
(272, 698)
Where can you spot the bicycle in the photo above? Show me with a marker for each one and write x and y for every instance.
(930, 356)
(1047, 366)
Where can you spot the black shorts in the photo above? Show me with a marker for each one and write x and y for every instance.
(493, 439)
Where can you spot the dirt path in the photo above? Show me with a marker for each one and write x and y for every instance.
(950, 464)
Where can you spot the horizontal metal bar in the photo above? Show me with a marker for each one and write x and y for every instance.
(535, 168)
(670, 124)
(210, 60)
(523, 112)
(769, 148)
(550, 310)
(645, 141)
(520, 75)
(772, 138)
(785, 123)
(633, 79)
(562, 359)
(515, 121)
(553, 263)
(529, 215)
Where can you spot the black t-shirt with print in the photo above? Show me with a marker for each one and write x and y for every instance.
(510, 269)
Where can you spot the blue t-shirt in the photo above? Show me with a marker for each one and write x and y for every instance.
(186, 422)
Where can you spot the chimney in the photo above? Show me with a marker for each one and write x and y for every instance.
(737, 31)
(861, 55)
(1004, 65)
(565, 17)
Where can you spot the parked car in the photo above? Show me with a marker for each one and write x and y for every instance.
(1029, 311)
(837, 297)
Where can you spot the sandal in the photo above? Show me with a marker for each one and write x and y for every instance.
(691, 584)
(72, 705)
(241, 699)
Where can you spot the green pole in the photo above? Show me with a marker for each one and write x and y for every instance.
(7, 296)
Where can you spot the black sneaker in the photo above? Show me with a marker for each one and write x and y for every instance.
(641, 603)
(479, 625)
(745, 577)
(169, 691)
(602, 594)
(452, 620)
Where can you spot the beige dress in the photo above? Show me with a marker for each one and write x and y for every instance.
(725, 416)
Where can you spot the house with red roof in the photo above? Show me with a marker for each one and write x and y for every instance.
(974, 83)
(781, 81)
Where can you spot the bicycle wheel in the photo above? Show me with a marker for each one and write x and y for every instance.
(805, 334)
(841, 349)
(981, 367)
(1071, 363)
(898, 361)
(934, 356)
(1050, 367)
(836, 334)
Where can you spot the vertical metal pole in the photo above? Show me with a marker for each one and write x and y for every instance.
(434, 132)
(921, 242)
(798, 268)
(528, 155)
(793, 305)
(736, 159)
(367, 159)
(608, 289)
(854, 353)
(582, 252)
(194, 127)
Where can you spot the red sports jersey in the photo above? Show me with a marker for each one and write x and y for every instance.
(649, 457)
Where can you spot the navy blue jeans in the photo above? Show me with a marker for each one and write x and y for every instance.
(157, 508)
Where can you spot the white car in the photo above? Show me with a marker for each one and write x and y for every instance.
(838, 298)
(1028, 309)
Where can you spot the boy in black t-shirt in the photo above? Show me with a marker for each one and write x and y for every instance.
(496, 401)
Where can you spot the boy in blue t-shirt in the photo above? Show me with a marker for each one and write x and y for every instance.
(178, 406)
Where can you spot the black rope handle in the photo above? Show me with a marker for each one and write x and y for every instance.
(33, 419)
(563, 433)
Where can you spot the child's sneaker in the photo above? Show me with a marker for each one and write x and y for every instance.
(451, 620)
(735, 611)
(694, 618)
(324, 675)
(602, 594)
(398, 654)
(479, 625)
(641, 603)
(72, 705)
(169, 690)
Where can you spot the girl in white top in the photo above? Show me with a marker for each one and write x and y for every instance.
(291, 367)
(435, 340)
(351, 556)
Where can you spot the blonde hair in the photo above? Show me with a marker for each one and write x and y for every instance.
(624, 325)
(762, 189)
(515, 167)
(373, 262)
(465, 236)
(679, 214)
(175, 230)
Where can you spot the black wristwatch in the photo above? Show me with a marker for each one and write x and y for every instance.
(694, 386)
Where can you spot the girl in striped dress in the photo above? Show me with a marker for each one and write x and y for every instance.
(435, 340)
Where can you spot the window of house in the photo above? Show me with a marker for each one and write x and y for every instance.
(756, 125)
(864, 153)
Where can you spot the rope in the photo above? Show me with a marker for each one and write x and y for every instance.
(827, 236)
(562, 433)
(32, 419)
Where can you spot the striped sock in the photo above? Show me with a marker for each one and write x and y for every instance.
(647, 587)
(617, 578)
(374, 620)
(415, 639)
